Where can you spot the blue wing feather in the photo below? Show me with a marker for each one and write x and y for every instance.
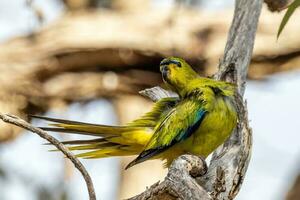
(191, 129)
(183, 134)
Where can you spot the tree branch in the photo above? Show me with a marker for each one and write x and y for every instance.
(157, 93)
(21, 123)
(230, 161)
(180, 182)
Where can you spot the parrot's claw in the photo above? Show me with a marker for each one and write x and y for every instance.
(195, 165)
(200, 169)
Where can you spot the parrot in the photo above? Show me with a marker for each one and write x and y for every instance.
(196, 122)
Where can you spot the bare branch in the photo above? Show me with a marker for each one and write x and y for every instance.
(23, 124)
(180, 182)
(230, 161)
(240, 41)
(157, 93)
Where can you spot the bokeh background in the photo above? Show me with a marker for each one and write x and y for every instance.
(87, 59)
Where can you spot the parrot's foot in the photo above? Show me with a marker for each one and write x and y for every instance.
(195, 165)
(200, 169)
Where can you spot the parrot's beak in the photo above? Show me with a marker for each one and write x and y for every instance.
(164, 71)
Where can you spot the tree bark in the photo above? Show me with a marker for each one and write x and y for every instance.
(180, 182)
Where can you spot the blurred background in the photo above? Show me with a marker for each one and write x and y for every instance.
(87, 59)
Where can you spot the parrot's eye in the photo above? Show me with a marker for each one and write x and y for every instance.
(167, 62)
(175, 62)
(178, 64)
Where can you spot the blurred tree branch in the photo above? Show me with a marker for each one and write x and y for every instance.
(76, 5)
(61, 147)
(277, 5)
(76, 57)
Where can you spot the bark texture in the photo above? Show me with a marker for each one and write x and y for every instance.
(230, 162)
(180, 182)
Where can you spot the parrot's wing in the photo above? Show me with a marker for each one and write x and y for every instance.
(179, 124)
(159, 110)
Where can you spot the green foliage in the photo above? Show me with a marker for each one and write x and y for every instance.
(291, 9)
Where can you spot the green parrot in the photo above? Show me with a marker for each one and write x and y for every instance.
(197, 122)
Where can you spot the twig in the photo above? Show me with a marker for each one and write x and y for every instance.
(23, 124)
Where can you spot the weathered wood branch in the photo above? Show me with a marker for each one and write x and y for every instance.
(180, 182)
(61, 147)
(239, 47)
(230, 161)
(157, 93)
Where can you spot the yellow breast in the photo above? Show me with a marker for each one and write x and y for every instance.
(215, 128)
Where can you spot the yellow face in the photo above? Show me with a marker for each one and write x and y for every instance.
(170, 68)
(176, 73)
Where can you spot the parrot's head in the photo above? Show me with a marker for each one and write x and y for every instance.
(176, 73)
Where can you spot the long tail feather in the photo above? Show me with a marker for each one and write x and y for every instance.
(94, 146)
(102, 153)
(109, 141)
(68, 126)
(64, 130)
(63, 121)
(77, 142)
